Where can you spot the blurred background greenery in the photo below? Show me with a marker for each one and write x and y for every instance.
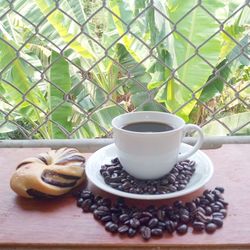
(68, 67)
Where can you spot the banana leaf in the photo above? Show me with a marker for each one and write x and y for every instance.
(195, 72)
(61, 85)
(237, 123)
(225, 69)
(66, 29)
(17, 88)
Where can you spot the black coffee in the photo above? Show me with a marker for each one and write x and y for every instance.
(148, 127)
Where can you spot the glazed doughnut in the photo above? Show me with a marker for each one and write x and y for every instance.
(49, 174)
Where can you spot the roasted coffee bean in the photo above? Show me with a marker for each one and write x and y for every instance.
(111, 227)
(114, 184)
(86, 195)
(181, 186)
(208, 210)
(217, 194)
(171, 178)
(178, 204)
(100, 212)
(201, 210)
(97, 198)
(184, 218)
(137, 215)
(107, 179)
(115, 160)
(104, 167)
(192, 163)
(145, 232)
(206, 192)
(170, 226)
(131, 232)
(153, 223)
(106, 218)
(127, 222)
(174, 216)
(217, 221)
(79, 202)
(114, 218)
(191, 206)
(115, 209)
(86, 204)
(103, 208)
(221, 189)
(126, 185)
(123, 229)
(215, 208)
(161, 214)
(99, 202)
(147, 214)
(96, 215)
(111, 169)
(116, 180)
(225, 204)
(223, 212)
(93, 207)
(124, 217)
(172, 188)
(210, 197)
(161, 225)
(144, 220)
(198, 226)
(202, 217)
(218, 215)
(204, 201)
(220, 204)
(183, 210)
(134, 223)
(106, 175)
(197, 201)
(177, 179)
(156, 232)
(182, 229)
(211, 227)
(188, 172)
(179, 166)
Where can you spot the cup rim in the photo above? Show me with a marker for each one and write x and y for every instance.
(114, 120)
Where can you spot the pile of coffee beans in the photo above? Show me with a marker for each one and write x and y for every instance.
(204, 213)
(177, 179)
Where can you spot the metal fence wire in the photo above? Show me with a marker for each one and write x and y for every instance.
(68, 67)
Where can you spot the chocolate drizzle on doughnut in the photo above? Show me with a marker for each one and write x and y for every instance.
(43, 159)
(37, 194)
(59, 180)
(22, 164)
(78, 158)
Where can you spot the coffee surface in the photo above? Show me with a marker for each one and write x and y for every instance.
(148, 127)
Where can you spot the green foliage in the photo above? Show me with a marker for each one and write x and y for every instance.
(171, 53)
(240, 121)
(60, 109)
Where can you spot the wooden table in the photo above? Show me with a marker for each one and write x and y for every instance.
(59, 224)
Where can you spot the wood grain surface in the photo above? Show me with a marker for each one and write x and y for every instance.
(59, 224)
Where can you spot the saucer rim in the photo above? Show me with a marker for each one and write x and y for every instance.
(103, 186)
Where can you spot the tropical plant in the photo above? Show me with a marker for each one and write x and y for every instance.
(183, 53)
(80, 64)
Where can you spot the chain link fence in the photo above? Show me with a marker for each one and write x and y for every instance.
(68, 67)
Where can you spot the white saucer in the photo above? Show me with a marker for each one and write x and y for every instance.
(202, 174)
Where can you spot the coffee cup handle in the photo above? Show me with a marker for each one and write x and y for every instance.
(200, 139)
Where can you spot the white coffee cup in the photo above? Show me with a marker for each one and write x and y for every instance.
(151, 155)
